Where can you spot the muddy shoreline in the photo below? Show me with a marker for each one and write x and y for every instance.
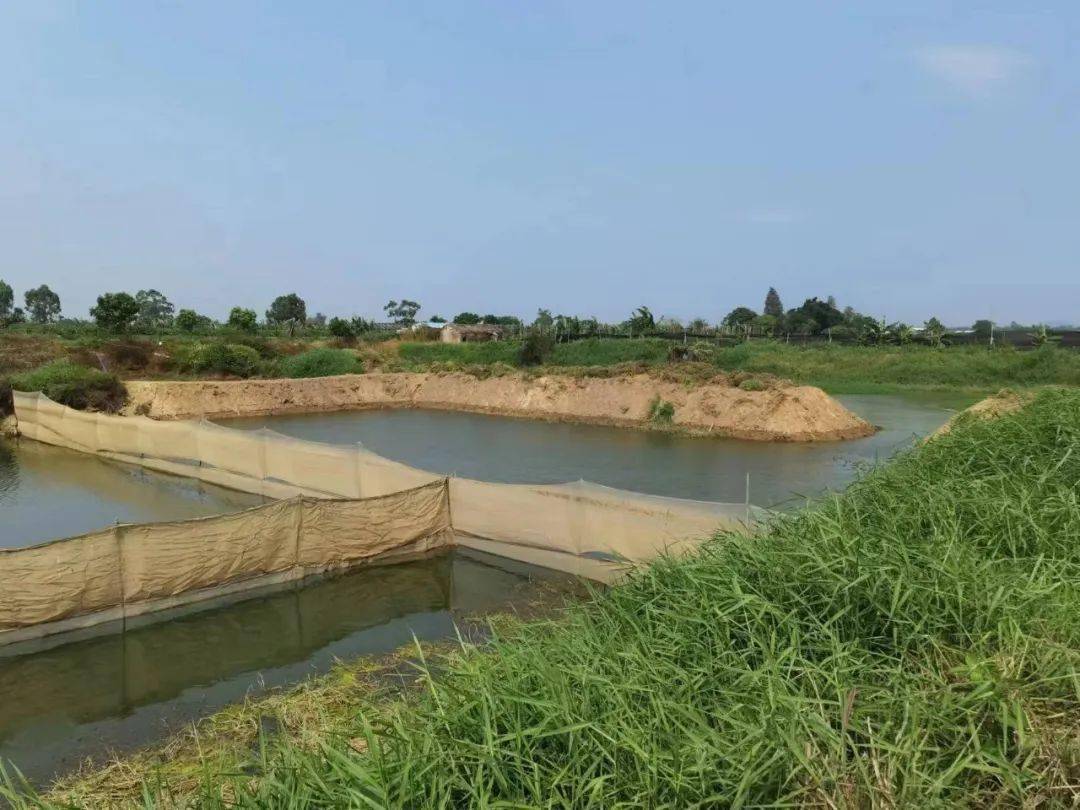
(780, 413)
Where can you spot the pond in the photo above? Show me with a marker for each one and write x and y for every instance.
(493, 448)
(48, 492)
(123, 690)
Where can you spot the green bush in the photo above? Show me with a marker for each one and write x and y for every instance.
(608, 351)
(223, 358)
(79, 387)
(752, 384)
(321, 363)
(418, 355)
(535, 350)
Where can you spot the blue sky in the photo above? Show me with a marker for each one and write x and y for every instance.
(586, 157)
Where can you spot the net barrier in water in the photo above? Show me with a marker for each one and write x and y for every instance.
(339, 506)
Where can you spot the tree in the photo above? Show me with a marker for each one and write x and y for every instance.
(543, 320)
(698, 326)
(341, 328)
(43, 304)
(765, 324)
(244, 320)
(773, 306)
(934, 332)
(187, 320)
(740, 316)
(287, 309)
(115, 311)
(466, 318)
(402, 312)
(155, 310)
(984, 330)
(438, 319)
(7, 298)
(360, 325)
(823, 314)
(641, 320)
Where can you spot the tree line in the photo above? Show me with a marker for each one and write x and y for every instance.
(150, 311)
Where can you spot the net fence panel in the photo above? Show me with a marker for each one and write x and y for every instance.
(337, 533)
(514, 513)
(169, 441)
(60, 579)
(237, 451)
(382, 476)
(167, 559)
(121, 434)
(81, 429)
(324, 468)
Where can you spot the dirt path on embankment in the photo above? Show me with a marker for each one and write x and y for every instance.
(781, 413)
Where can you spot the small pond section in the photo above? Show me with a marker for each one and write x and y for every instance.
(49, 492)
(495, 448)
(124, 690)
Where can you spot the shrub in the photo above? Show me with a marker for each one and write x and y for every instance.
(244, 320)
(535, 350)
(128, 354)
(321, 363)
(661, 412)
(224, 358)
(752, 384)
(340, 328)
(79, 387)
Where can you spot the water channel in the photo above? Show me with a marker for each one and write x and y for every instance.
(113, 692)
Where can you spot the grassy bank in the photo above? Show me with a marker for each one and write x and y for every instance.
(836, 368)
(913, 642)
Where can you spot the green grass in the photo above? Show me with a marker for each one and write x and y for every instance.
(879, 369)
(73, 385)
(321, 363)
(836, 368)
(912, 642)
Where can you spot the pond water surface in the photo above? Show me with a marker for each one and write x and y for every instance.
(126, 689)
(493, 448)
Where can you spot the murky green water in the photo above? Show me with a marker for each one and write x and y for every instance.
(47, 492)
(515, 450)
(123, 690)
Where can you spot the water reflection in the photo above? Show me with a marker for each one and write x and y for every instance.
(125, 689)
(48, 492)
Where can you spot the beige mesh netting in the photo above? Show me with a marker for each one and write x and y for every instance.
(345, 505)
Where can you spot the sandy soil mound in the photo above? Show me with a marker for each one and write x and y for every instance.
(992, 407)
(796, 413)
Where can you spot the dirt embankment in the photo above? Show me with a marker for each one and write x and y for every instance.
(795, 413)
(1001, 403)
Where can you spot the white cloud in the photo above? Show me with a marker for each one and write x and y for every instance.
(976, 70)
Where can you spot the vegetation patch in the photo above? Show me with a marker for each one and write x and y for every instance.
(321, 363)
(79, 387)
(661, 412)
(912, 642)
(231, 359)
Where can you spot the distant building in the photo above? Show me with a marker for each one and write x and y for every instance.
(470, 333)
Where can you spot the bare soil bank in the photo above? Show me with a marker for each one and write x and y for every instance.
(795, 413)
